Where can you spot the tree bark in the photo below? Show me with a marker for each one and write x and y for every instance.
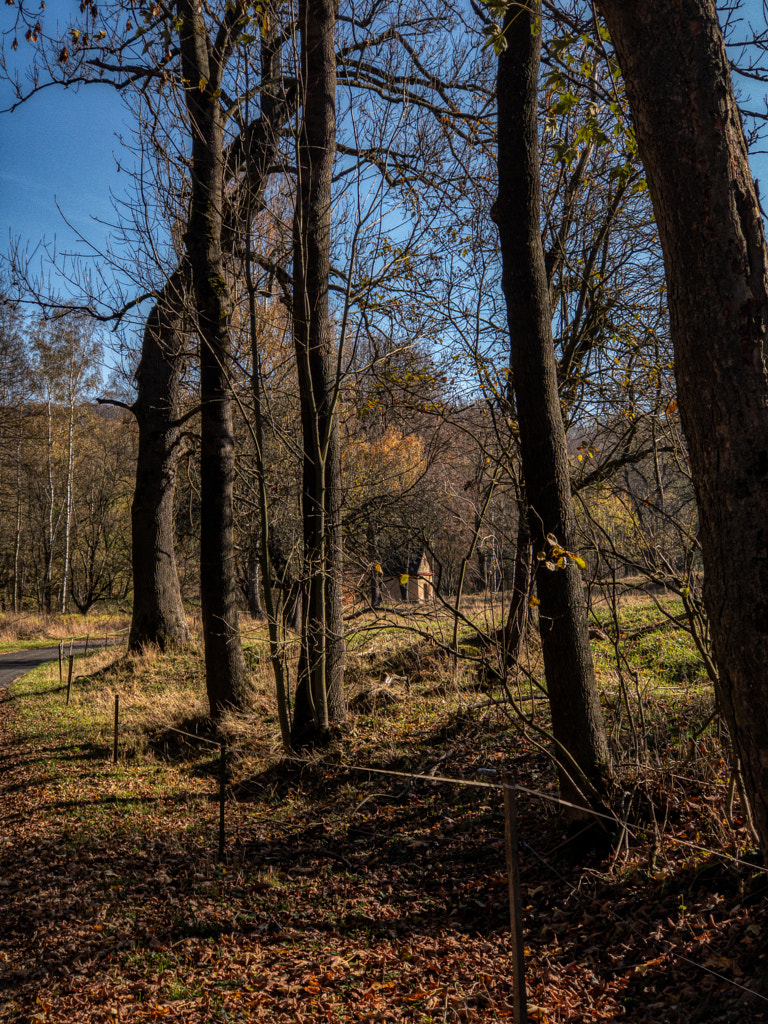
(50, 492)
(275, 650)
(692, 144)
(319, 695)
(516, 625)
(68, 501)
(252, 587)
(17, 589)
(374, 557)
(158, 613)
(224, 663)
(581, 744)
(157, 609)
(334, 624)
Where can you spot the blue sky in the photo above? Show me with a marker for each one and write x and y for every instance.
(58, 147)
(61, 147)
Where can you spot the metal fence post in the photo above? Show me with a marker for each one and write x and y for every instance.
(222, 797)
(117, 714)
(515, 903)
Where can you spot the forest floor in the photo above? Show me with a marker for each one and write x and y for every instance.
(349, 895)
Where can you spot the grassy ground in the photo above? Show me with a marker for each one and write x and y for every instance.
(349, 895)
(25, 630)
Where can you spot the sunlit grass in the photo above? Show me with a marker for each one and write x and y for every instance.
(400, 684)
(26, 630)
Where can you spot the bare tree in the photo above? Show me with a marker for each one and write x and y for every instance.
(14, 373)
(320, 696)
(67, 355)
(582, 748)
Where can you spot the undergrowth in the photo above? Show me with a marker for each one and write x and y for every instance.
(352, 889)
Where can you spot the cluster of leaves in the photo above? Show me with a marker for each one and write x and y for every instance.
(555, 556)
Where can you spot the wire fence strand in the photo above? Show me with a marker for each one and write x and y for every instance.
(633, 828)
(615, 820)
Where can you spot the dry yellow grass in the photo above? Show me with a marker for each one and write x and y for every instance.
(23, 627)
(161, 692)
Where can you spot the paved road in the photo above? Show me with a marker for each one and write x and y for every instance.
(17, 664)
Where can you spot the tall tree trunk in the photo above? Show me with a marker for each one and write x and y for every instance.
(333, 576)
(517, 619)
(253, 590)
(158, 613)
(224, 663)
(68, 505)
(48, 584)
(17, 592)
(319, 696)
(275, 648)
(691, 141)
(582, 748)
(374, 556)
